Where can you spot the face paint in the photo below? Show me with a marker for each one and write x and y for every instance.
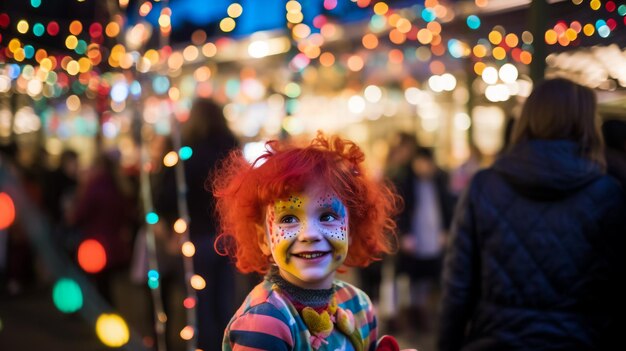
(280, 232)
(308, 236)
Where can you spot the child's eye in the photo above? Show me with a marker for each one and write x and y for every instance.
(289, 219)
(328, 217)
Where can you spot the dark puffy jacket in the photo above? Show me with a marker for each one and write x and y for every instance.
(536, 255)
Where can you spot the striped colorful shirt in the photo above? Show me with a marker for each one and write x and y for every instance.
(267, 320)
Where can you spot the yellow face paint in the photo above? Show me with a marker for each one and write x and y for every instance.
(308, 236)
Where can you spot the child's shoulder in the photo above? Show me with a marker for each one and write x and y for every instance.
(348, 293)
(262, 318)
(264, 300)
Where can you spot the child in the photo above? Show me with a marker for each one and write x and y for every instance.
(292, 215)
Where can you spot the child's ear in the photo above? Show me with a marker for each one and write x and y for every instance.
(262, 240)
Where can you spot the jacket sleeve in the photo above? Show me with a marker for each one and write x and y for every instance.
(460, 276)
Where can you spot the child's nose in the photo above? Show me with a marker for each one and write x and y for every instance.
(309, 232)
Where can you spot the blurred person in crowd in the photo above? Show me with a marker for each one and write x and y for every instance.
(400, 153)
(461, 176)
(32, 162)
(537, 243)
(207, 133)
(26, 161)
(103, 210)
(59, 191)
(614, 132)
(423, 224)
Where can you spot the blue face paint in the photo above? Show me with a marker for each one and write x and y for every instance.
(338, 207)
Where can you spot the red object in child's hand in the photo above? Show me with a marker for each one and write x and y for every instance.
(387, 343)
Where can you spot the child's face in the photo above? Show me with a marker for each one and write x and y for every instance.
(307, 235)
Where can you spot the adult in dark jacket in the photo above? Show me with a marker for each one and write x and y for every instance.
(537, 243)
(207, 133)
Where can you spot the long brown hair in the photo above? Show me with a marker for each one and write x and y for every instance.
(561, 109)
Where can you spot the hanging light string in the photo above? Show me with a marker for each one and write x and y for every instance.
(160, 317)
(181, 226)
(151, 219)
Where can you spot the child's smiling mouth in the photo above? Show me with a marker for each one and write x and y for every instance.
(309, 255)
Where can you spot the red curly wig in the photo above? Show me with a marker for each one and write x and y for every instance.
(243, 192)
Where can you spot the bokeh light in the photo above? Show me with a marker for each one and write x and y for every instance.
(380, 8)
(356, 104)
(145, 8)
(473, 21)
(7, 211)
(227, 24)
(490, 75)
(372, 93)
(526, 57)
(160, 84)
(180, 226)
(67, 295)
(189, 302)
(112, 330)
(39, 29)
(495, 37)
(327, 59)
(479, 67)
(197, 282)
(113, 29)
(92, 257)
(188, 249)
(187, 333)
(22, 26)
(370, 41)
(185, 153)
(152, 218)
(234, 10)
(153, 279)
(511, 40)
(292, 90)
(170, 159)
(498, 53)
(355, 63)
(76, 27)
(508, 73)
